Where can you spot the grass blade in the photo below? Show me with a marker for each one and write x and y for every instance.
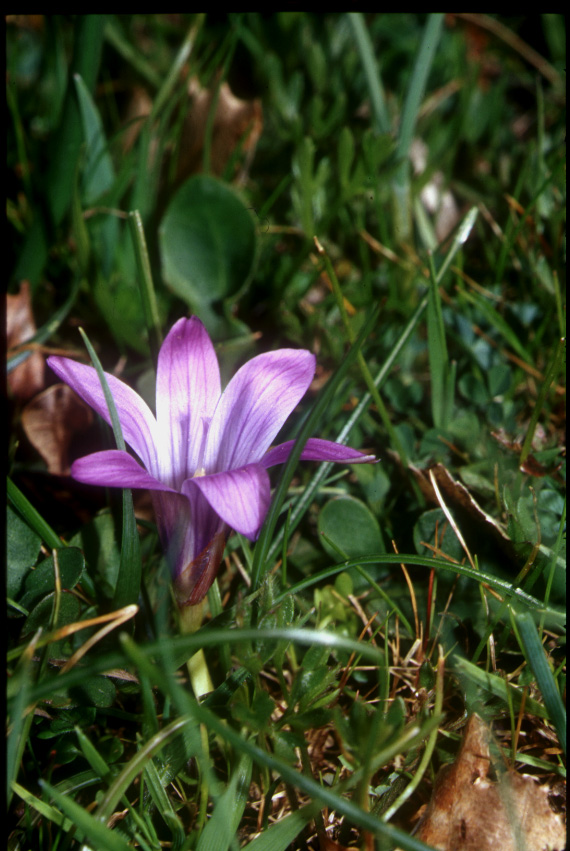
(536, 658)
(94, 831)
(32, 516)
(130, 567)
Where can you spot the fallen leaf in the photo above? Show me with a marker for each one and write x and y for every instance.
(458, 496)
(235, 121)
(26, 379)
(51, 420)
(469, 811)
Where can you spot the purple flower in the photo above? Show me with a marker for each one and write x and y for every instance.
(205, 455)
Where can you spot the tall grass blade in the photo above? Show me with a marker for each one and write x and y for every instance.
(130, 567)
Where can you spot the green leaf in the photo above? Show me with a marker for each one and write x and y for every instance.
(441, 373)
(222, 826)
(69, 610)
(98, 177)
(345, 157)
(102, 555)
(207, 244)
(41, 581)
(279, 836)
(95, 831)
(92, 755)
(352, 528)
(98, 172)
(42, 808)
(258, 715)
(32, 517)
(473, 677)
(23, 547)
(369, 61)
(433, 528)
(162, 802)
(536, 658)
(309, 686)
(97, 691)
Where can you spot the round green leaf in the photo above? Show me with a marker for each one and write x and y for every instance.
(349, 525)
(69, 609)
(41, 581)
(98, 691)
(429, 528)
(23, 547)
(207, 242)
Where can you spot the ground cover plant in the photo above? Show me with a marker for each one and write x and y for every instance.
(361, 219)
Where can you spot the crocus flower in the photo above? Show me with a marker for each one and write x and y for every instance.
(205, 455)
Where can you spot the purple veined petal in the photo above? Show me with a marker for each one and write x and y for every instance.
(187, 391)
(175, 528)
(193, 538)
(137, 422)
(114, 469)
(254, 406)
(316, 449)
(240, 497)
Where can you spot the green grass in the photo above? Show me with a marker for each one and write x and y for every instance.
(380, 603)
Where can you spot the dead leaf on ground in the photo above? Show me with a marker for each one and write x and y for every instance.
(458, 496)
(469, 811)
(236, 121)
(51, 420)
(26, 379)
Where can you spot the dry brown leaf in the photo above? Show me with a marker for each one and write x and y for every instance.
(458, 497)
(27, 378)
(234, 120)
(138, 109)
(469, 811)
(50, 422)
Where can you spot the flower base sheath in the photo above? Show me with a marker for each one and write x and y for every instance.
(204, 457)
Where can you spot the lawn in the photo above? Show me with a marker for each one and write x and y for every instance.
(286, 512)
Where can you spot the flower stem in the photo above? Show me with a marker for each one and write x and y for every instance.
(190, 621)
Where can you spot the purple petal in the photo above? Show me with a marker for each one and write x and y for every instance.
(193, 539)
(114, 469)
(187, 392)
(240, 497)
(254, 406)
(137, 422)
(187, 525)
(316, 449)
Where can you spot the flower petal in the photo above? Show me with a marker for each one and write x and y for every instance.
(186, 525)
(114, 469)
(137, 421)
(187, 392)
(240, 497)
(316, 449)
(254, 406)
